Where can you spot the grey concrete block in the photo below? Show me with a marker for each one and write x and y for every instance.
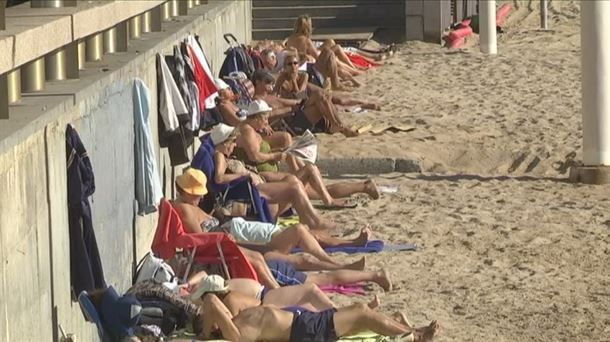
(366, 166)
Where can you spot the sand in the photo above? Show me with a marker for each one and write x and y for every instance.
(511, 252)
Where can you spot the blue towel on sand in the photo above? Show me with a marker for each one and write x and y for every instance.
(373, 246)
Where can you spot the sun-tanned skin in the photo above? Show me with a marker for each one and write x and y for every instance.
(266, 323)
(192, 216)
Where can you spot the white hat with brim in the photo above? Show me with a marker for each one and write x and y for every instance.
(258, 107)
(211, 284)
(220, 133)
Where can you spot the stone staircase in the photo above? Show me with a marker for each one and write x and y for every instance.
(274, 19)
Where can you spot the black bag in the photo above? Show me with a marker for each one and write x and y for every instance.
(238, 58)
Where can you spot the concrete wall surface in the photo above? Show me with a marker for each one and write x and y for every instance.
(34, 243)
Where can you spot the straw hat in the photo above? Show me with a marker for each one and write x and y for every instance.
(193, 182)
(211, 284)
(258, 107)
(220, 133)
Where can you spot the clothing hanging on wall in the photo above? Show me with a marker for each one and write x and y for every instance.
(148, 184)
(172, 134)
(86, 272)
(203, 75)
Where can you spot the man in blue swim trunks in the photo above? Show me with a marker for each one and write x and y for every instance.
(266, 323)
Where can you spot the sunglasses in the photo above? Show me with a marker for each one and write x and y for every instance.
(292, 63)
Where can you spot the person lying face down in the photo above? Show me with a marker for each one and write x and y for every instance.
(283, 193)
(294, 324)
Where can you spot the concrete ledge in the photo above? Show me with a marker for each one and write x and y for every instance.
(336, 167)
(590, 174)
(34, 32)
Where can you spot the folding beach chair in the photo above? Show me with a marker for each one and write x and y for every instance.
(91, 315)
(204, 248)
(238, 190)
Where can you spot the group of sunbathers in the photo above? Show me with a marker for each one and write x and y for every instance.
(287, 305)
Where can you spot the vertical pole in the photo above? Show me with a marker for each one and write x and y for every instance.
(72, 60)
(3, 97)
(122, 36)
(32, 76)
(487, 26)
(166, 10)
(544, 14)
(135, 27)
(14, 85)
(94, 47)
(55, 65)
(183, 8)
(81, 54)
(2, 16)
(594, 37)
(146, 21)
(156, 19)
(110, 40)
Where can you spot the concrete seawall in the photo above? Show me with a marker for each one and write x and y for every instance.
(34, 244)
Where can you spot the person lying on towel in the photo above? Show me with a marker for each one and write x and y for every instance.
(242, 320)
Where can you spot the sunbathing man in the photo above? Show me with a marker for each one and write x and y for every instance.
(266, 323)
(318, 114)
(329, 53)
(251, 292)
(253, 150)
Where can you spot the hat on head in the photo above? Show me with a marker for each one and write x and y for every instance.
(258, 107)
(220, 84)
(220, 133)
(262, 75)
(211, 284)
(193, 182)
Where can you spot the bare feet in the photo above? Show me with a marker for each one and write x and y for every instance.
(370, 187)
(358, 265)
(422, 334)
(374, 304)
(365, 235)
(383, 280)
(425, 334)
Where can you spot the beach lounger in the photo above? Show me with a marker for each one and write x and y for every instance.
(204, 248)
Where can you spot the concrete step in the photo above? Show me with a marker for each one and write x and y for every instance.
(355, 11)
(295, 3)
(337, 33)
(324, 22)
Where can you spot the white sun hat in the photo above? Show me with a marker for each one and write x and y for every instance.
(258, 107)
(220, 84)
(220, 133)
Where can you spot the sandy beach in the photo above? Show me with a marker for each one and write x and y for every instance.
(510, 250)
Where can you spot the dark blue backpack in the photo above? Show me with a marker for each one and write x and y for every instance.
(237, 58)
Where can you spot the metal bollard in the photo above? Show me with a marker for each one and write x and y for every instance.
(135, 27)
(32, 76)
(94, 47)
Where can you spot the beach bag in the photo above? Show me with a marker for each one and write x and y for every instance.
(238, 58)
(151, 267)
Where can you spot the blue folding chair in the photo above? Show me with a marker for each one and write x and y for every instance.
(91, 315)
(238, 190)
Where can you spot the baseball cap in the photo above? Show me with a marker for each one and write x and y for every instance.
(211, 284)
